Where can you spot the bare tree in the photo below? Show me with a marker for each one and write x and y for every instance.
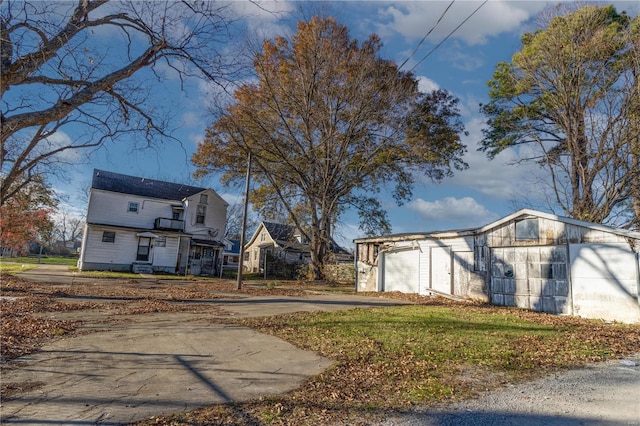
(75, 75)
(67, 229)
(234, 221)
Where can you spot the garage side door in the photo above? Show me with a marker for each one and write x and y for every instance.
(604, 278)
(441, 269)
(401, 271)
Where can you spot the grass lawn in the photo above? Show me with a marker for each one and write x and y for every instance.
(395, 358)
(47, 260)
(15, 268)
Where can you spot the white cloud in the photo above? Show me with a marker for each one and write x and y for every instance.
(192, 119)
(414, 19)
(455, 210)
(426, 85)
(60, 140)
(502, 178)
(462, 60)
(262, 17)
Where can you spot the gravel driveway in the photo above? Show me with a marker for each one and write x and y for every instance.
(600, 394)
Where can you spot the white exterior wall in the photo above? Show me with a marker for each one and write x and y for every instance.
(215, 216)
(166, 257)
(111, 208)
(460, 268)
(571, 267)
(465, 281)
(605, 281)
(121, 252)
(425, 267)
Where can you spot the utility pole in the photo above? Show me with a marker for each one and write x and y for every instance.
(244, 224)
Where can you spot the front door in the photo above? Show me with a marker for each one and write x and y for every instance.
(144, 249)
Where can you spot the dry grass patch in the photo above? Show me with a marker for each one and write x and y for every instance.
(390, 359)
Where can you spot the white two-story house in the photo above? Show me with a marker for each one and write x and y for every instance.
(146, 225)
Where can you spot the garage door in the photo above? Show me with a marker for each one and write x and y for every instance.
(604, 279)
(401, 271)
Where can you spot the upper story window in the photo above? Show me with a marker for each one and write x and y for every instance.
(175, 215)
(133, 207)
(263, 236)
(201, 213)
(527, 229)
(108, 237)
(203, 198)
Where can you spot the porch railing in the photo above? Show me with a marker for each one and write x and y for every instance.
(166, 223)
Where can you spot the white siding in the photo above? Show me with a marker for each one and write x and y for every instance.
(215, 216)
(111, 208)
(425, 264)
(121, 251)
(166, 257)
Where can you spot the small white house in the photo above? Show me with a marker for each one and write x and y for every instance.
(284, 242)
(145, 225)
(529, 259)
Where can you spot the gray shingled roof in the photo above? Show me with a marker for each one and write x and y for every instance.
(284, 236)
(144, 187)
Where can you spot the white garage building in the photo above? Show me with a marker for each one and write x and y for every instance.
(528, 259)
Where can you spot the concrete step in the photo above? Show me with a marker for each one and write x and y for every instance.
(142, 268)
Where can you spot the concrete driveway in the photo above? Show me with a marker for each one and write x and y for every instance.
(157, 364)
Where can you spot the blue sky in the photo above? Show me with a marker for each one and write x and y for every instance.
(462, 64)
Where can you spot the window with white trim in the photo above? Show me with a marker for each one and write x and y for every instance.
(108, 237)
(201, 213)
(133, 207)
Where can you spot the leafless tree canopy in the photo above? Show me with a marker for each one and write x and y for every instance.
(78, 74)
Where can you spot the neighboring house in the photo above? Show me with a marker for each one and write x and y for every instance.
(528, 259)
(284, 242)
(231, 254)
(144, 225)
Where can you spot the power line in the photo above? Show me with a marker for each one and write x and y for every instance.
(427, 34)
(448, 35)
